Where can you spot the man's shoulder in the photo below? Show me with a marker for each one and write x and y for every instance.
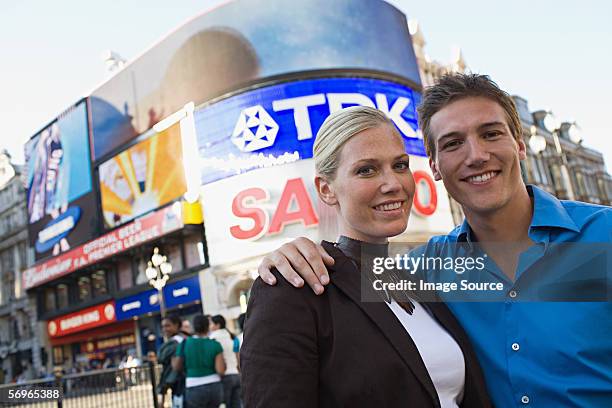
(589, 217)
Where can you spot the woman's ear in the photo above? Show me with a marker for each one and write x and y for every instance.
(325, 191)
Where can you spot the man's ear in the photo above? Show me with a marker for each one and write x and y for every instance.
(522, 149)
(434, 169)
(325, 191)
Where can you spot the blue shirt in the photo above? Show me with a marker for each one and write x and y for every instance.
(543, 353)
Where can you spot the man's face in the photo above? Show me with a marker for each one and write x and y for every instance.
(476, 155)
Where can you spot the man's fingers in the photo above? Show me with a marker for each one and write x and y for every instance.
(265, 271)
(297, 257)
(328, 260)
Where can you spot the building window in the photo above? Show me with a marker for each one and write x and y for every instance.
(62, 296)
(173, 252)
(98, 280)
(84, 284)
(49, 300)
(126, 277)
(194, 251)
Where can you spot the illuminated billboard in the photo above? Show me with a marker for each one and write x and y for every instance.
(61, 204)
(242, 43)
(276, 125)
(142, 178)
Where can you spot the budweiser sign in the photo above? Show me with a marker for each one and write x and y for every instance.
(141, 230)
(82, 320)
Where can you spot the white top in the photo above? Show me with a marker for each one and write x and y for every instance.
(231, 362)
(441, 354)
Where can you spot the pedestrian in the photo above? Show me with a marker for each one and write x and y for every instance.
(231, 379)
(542, 353)
(170, 379)
(201, 358)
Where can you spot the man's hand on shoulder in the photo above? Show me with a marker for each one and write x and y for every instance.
(298, 261)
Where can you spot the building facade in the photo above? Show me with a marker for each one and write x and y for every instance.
(20, 349)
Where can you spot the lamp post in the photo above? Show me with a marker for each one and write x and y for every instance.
(554, 127)
(158, 269)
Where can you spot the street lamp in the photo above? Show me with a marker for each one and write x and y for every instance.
(553, 126)
(158, 270)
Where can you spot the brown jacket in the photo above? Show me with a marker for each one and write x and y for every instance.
(332, 350)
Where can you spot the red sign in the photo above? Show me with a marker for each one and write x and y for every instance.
(294, 206)
(82, 320)
(139, 231)
(426, 197)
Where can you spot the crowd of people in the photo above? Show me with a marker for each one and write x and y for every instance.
(200, 363)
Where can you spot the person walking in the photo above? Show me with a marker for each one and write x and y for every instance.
(201, 358)
(231, 379)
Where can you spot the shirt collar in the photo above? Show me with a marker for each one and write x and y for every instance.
(547, 212)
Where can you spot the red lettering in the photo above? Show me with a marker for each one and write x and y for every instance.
(242, 206)
(294, 191)
(425, 208)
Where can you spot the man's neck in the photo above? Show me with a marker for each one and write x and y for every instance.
(508, 224)
(504, 234)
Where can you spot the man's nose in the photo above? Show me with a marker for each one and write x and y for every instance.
(477, 152)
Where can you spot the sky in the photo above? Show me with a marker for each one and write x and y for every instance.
(555, 54)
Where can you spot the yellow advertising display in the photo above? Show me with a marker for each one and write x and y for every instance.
(142, 178)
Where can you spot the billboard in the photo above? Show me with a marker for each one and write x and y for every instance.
(60, 200)
(244, 42)
(146, 228)
(142, 178)
(276, 125)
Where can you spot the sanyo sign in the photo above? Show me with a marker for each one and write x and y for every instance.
(276, 125)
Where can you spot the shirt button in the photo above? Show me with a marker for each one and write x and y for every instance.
(525, 399)
(515, 346)
(512, 293)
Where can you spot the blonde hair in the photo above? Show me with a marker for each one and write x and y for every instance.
(337, 129)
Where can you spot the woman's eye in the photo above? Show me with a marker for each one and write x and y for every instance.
(365, 171)
(403, 165)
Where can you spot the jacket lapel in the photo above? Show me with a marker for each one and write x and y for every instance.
(344, 272)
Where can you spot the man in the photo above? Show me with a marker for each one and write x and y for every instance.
(538, 353)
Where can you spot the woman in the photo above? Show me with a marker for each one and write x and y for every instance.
(231, 379)
(335, 350)
(202, 360)
(169, 379)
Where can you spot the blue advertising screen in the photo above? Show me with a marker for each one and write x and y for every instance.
(242, 42)
(278, 124)
(60, 201)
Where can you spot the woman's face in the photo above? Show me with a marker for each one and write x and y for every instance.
(373, 187)
(169, 329)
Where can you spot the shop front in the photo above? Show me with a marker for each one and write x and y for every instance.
(182, 297)
(91, 338)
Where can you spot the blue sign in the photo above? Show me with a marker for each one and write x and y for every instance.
(182, 292)
(277, 124)
(175, 293)
(137, 305)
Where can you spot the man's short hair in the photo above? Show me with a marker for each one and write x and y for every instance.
(453, 87)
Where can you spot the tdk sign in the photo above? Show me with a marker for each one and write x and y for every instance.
(277, 124)
(255, 130)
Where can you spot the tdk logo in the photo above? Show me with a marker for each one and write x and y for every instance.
(254, 130)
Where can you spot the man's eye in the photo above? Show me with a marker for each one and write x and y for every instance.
(451, 144)
(365, 170)
(492, 134)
